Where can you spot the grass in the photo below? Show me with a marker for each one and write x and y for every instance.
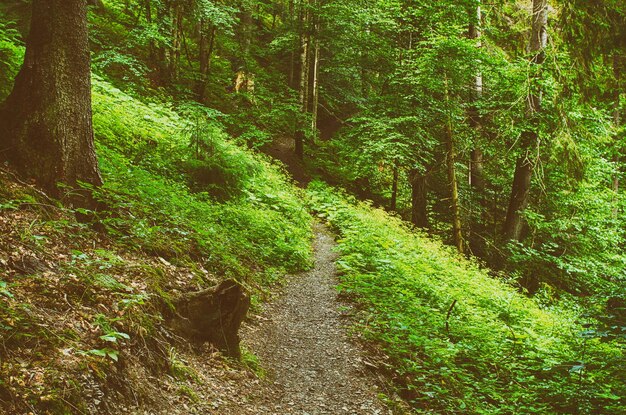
(459, 340)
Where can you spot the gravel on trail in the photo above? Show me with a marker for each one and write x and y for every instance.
(302, 341)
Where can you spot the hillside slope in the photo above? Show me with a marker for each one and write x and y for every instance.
(457, 340)
(82, 304)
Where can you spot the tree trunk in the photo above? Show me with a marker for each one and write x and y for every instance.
(305, 39)
(520, 189)
(519, 198)
(617, 125)
(177, 33)
(246, 29)
(477, 226)
(316, 86)
(46, 122)
(477, 180)
(164, 54)
(304, 61)
(394, 188)
(152, 52)
(292, 58)
(206, 52)
(213, 315)
(454, 190)
(419, 201)
(457, 231)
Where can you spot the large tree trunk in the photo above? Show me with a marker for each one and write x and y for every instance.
(520, 189)
(46, 127)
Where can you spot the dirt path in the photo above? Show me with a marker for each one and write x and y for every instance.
(301, 339)
(282, 148)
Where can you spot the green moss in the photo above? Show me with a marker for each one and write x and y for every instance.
(252, 363)
(181, 370)
(185, 390)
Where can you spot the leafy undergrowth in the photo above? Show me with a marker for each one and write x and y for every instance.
(81, 305)
(459, 341)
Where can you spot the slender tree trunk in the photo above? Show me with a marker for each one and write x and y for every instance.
(46, 127)
(419, 200)
(364, 56)
(246, 29)
(152, 50)
(305, 39)
(520, 189)
(304, 61)
(316, 86)
(292, 59)
(206, 52)
(454, 189)
(177, 32)
(617, 125)
(478, 219)
(394, 188)
(164, 53)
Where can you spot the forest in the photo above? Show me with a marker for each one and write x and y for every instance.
(429, 192)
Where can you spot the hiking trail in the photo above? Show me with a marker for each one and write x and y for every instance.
(302, 341)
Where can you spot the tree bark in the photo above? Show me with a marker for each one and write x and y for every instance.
(164, 53)
(213, 315)
(520, 189)
(457, 231)
(454, 190)
(152, 52)
(519, 198)
(292, 58)
(477, 180)
(304, 60)
(419, 201)
(305, 40)
(177, 34)
(394, 188)
(206, 52)
(246, 29)
(616, 125)
(316, 86)
(46, 129)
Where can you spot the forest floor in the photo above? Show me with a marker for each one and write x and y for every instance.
(308, 362)
(302, 341)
